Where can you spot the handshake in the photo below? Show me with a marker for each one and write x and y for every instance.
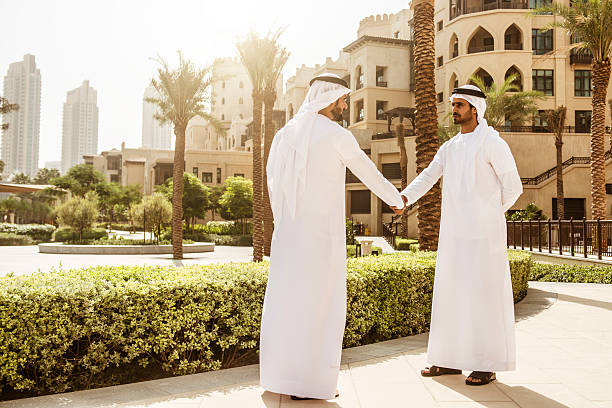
(400, 211)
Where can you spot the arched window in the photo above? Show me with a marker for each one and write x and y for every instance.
(513, 39)
(223, 84)
(481, 41)
(518, 82)
(240, 100)
(485, 76)
(454, 83)
(453, 50)
(290, 111)
(241, 116)
(222, 101)
(241, 85)
(359, 78)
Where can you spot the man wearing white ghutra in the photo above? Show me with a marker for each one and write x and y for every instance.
(304, 310)
(472, 318)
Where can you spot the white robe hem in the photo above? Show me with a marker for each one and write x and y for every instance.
(302, 389)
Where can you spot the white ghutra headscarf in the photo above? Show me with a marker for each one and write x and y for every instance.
(472, 143)
(286, 169)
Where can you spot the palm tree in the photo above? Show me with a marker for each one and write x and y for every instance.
(507, 103)
(250, 50)
(182, 94)
(276, 57)
(426, 120)
(589, 21)
(555, 119)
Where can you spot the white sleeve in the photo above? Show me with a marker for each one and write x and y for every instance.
(365, 170)
(502, 161)
(426, 179)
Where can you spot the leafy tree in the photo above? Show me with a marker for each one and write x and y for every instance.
(80, 179)
(183, 94)
(78, 213)
(215, 195)
(532, 212)
(6, 107)
(589, 22)
(44, 175)
(275, 57)
(154, 211)
(237, 200)
(195, 197)
(507, 103)
(21, 178)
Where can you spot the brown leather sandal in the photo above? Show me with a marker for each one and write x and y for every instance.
(484, 377)
(435, 371)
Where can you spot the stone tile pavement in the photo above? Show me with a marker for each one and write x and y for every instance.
(564, 342)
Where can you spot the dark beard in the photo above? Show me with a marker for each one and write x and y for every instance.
(336, 114)
(457, 120)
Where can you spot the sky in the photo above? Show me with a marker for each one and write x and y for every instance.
(113, 43)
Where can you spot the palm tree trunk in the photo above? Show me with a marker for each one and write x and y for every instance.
(268, 219)
(177, 191)
(399, 130)
(560, 196)
(426, 120)
(601, 78)
(257, 179)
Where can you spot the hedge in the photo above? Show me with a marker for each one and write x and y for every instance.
(77, 329)
(571, 273)
(226, 240)
(403, 244)
(67, 234)
(10, 239)
(38, 232)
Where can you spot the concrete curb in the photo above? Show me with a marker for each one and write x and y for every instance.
(59, 248)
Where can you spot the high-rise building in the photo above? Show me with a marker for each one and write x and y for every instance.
(20, 141)
(154, 134)
(80, 127)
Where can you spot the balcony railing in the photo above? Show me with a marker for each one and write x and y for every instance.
(544, 129)
(480, 48)
(513, 46)
(381, 84)
(513, 5)
(583, 58)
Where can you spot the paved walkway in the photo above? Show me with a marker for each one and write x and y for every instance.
(26, 259)
(564, 341)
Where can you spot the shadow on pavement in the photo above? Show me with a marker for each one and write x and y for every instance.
(534, 303)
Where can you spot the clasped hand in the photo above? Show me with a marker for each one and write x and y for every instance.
(399, 211)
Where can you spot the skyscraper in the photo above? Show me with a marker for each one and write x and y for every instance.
(154, 134)
(20, 141)
(80, 125)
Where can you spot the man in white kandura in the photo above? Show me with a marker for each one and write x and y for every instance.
(304, 310)
(472, 317)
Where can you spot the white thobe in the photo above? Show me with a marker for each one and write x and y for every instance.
(304, 310)
(472, 318)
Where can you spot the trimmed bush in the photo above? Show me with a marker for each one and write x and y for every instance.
(85, 328)
(350, 250)
(67, 234)
(571, 273)
(222, 228)
(403, 244)
(10, 239)
(226, 240)
(38, 232)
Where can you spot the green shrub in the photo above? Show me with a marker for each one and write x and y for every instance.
(226, 240)
(222, 228)
(350, 250)
(68, 330)
(67, 234)
(10, 239)
(114, 226)
(38, 232)
(571, 273)
(403, 244)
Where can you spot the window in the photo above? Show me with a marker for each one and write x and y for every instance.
(206, 177)
(381, 107)
(541, 41)
(456, 84)
(396, 34)
(392, 171)
(539, 122)
(239, 175)
(241, 116)
(360, 202)
(582, 83)
(440, 25)
(218, 175)
(543, 81)
(114, 178)
(440, 61)
(572, 208)
(222, 117)
(533, 4)
(381, 77)
(360, 114)
(441, 97)
(241, 85)
(240, 100)
(222, 101)
(583, 121)
(195, 171)
(223, 84)
(360, 78)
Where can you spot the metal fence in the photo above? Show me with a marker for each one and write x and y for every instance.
(576, 238)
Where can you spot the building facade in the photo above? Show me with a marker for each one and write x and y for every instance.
(80, 125)
(154, 134)
(20, 142)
